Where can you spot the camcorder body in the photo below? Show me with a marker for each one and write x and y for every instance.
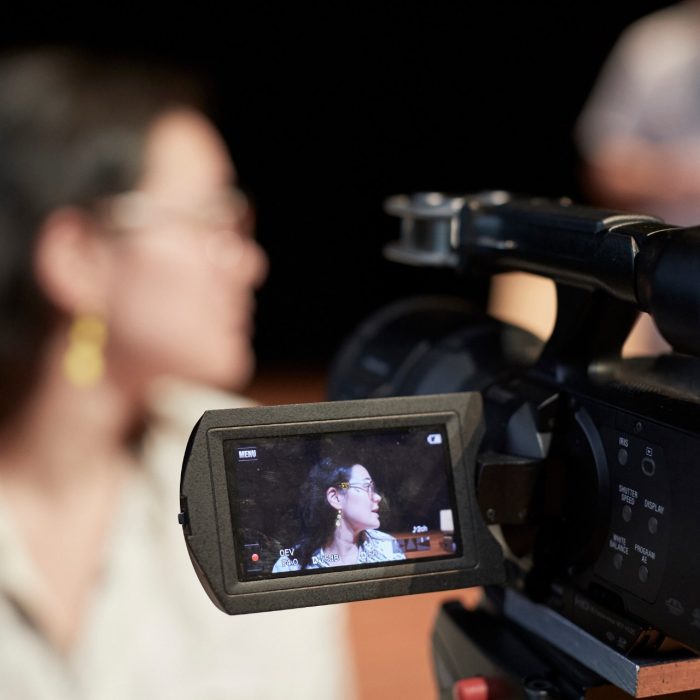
(559, 475)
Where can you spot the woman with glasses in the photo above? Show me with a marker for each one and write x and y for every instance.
(127, 281)
(340, 521)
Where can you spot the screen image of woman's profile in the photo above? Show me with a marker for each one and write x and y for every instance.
(340, 516)
(308, 503)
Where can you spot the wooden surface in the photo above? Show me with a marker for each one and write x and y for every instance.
(670, 677)
(434, 539)
(390, 637)
(391, 640)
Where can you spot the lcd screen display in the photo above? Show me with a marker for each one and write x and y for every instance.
(312, 503)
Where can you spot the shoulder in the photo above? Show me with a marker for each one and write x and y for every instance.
(179, 405)
(380, 546)
(379, 536)
(174, 409)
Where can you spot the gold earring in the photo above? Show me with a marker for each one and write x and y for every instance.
(339, 518)
(83, 363)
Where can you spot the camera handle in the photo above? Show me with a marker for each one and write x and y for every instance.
(517, 648)
(632, 259)
(590, 325)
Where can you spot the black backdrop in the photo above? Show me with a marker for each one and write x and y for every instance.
(329, 108)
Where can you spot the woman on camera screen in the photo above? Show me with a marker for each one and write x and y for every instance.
(339, 511)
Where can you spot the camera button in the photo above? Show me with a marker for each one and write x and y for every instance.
(617, 561)
(626, 513)
(648, 466)
(622, 456)
(653, 525)
(643, 573)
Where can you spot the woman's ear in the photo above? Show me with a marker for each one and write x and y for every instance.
(333, 497)
(70, 261)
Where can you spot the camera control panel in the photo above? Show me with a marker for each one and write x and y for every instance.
(634, 555)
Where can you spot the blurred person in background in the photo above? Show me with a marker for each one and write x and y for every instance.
(639, 133)
(127, 279)
(639, 140)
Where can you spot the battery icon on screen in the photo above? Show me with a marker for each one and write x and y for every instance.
(435, 439)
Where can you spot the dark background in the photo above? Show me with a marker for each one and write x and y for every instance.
(330, 108)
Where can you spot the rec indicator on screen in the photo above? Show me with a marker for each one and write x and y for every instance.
(252, 558)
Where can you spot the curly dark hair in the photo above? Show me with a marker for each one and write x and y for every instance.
(317, 517)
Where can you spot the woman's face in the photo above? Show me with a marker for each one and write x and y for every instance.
(361, 502)
(184, 270)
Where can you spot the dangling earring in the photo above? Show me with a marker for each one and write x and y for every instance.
(83, 363)
(339, 518)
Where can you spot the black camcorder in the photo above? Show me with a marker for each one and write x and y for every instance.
(460, 451)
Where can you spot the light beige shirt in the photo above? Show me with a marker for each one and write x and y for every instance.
(152, 632)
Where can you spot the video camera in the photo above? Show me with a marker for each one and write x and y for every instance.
(450, 432)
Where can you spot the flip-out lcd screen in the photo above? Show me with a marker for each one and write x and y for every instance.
(313, 503)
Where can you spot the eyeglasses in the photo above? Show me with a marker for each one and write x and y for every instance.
(228, 209)
(224, 222)
(369, 487)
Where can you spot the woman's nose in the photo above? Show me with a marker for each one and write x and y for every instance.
(230, 250)
(260, 265)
